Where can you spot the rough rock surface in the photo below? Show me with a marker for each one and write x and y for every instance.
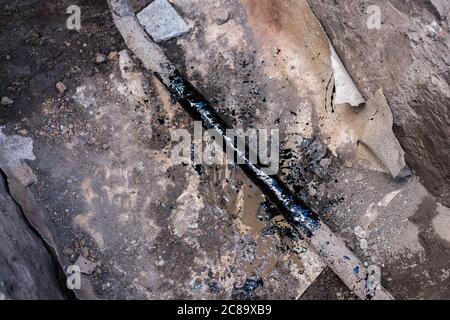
(26, 268)
(409, 58)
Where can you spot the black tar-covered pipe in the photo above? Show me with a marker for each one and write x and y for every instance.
(292, 208)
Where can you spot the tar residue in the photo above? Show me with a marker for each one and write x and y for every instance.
(292, 208)
(305, 169)
(266, 212)
(212, 284)
(246, 292)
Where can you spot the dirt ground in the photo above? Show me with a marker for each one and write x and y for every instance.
(155, 230)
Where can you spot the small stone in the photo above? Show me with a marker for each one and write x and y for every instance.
(325, 163)
(7, 101)
(86, 266)
(85, 252)
(373, 279)
(348, 164)
(363, 244)
(105, 146)
(101, 58)
(360, 232)
(67, 252)
(113, 56)
(23, 132)
(220, 16)
(104, 287)
(61, 87)
(359, 177)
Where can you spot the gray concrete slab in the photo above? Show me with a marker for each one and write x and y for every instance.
(161, 21)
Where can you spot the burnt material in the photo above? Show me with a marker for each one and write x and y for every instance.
(292, 208)
(247, 291)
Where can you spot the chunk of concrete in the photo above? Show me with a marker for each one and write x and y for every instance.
(161, 21)
(86, 266)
